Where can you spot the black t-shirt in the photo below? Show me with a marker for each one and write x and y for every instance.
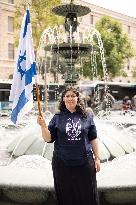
(71, 134)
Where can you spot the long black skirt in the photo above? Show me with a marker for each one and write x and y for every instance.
(75, 184)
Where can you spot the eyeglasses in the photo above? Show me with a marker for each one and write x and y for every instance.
(70, 96)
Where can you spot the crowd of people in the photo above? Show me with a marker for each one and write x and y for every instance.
(129, 104)
(107, 101)
(103, 100)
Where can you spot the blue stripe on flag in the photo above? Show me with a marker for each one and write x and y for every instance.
(21, 102)
(27, 21)
(30, 73)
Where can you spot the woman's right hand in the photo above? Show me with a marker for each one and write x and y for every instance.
(41, 121)
(45, 132)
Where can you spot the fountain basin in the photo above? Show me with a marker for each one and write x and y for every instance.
(30, 180)
(116, 181)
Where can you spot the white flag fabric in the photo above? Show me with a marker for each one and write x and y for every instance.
(21, 93)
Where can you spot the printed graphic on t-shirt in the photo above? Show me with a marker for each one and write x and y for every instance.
(73, 129)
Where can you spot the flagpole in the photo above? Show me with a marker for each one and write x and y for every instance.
(37, 89)
(38, 99)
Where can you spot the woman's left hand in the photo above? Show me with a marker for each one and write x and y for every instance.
(97, 165)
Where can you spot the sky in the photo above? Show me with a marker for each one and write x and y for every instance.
(126, 7)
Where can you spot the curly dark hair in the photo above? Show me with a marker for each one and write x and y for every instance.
(80, 107)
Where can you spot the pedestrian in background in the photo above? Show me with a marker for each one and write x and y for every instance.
(134, 103)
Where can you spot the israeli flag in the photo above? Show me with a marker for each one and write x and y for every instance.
(24, 77)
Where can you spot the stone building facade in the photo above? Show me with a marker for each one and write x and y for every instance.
(8, 51)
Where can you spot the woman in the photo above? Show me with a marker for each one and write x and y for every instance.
(76, 154)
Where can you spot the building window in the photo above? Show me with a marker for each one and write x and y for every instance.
(81, 37)
(10, 24)
(128, 67)
(80, 19)
(91, 19)
(128, 29)
(11, 1)
(11, 76)
(11, 51)
(128, 64)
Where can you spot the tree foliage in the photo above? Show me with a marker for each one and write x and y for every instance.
(41, 16)
(134, 72)
(117, 48)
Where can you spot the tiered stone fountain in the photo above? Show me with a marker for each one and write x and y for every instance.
(70, 50)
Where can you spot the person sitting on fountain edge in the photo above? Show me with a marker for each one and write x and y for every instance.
(76, 152)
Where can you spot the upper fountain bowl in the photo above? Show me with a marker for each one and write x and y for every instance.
(63, 10)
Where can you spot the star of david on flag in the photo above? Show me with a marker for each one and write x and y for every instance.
(21, 93)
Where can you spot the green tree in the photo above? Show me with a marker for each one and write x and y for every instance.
(41, 17)
(117, 49)
(134, 72)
